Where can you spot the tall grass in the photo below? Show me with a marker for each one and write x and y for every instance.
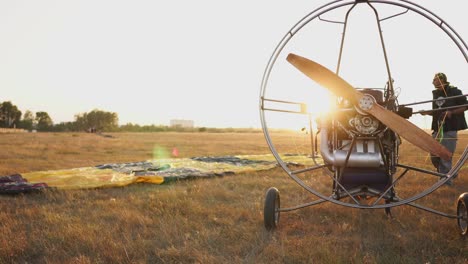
(216, 220)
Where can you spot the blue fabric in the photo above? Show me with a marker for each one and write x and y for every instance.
(448, 139)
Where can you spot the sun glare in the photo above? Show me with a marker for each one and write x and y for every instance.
(321, 103)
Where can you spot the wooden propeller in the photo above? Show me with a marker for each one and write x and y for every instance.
(340, 87)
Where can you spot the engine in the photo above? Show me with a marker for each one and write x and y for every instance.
(350, 128)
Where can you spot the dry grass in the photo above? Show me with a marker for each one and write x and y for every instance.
(215, 220)
(44, 151)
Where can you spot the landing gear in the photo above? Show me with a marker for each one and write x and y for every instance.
(462, 213)
(271, 212)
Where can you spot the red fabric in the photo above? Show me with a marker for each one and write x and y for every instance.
(15, 183)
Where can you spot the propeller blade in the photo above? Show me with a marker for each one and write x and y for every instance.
(324, 77)
(409, 131)
(340, 87)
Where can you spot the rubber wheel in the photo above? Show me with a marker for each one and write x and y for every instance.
(462, 213)
(271, 212)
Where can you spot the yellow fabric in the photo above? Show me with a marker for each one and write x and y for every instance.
(88, 177)
(91, 177)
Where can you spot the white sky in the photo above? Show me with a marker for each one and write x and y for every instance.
(153, 61)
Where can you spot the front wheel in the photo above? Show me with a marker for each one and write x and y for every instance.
(271, 212)
(462, 213)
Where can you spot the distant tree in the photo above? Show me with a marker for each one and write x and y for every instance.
(65, 127)
(97, 120)
(80, 122)
(10, 115)
(129, 127)
(28, 120)
(44, 122)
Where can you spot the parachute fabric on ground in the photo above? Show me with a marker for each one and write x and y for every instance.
(82, 178)
(158, 171)
(15, 183)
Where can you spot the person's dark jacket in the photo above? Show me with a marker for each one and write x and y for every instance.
(456, 121)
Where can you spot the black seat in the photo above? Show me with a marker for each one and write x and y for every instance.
(375, 178)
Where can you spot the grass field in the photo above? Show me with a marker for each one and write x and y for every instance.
(217, 220)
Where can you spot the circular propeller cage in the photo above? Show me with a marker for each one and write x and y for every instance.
(319, 166)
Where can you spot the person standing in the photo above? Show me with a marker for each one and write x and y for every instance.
(446, 123)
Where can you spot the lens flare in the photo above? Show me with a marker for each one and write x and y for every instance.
(175, 152)
(160, 152)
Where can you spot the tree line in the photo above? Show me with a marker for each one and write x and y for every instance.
(93, 121)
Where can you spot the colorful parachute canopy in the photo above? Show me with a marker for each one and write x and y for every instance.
(157, 171)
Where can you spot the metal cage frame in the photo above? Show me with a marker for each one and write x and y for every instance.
(315, 14)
